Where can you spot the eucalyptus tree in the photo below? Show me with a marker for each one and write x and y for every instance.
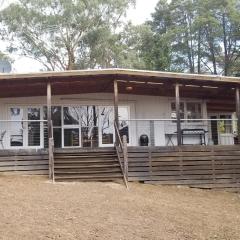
(64, 34)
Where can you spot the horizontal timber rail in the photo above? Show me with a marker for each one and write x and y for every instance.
(28, 162)
(194, 166)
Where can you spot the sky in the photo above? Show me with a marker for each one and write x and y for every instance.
(137, 15)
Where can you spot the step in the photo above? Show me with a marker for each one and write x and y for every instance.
(82, 171)
(89, 177)
(85, 156)
(85, 159)
(85, 165)
(97, 160)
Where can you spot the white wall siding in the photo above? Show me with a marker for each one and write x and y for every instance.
(141, 107)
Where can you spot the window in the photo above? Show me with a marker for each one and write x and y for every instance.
(89, 126)
(188, 110)
(16, 128)
(107, 125)
(71, 115)
(34, 129)
(123, 124)
(174, 112)
(194, 111)
(225, 125)
(71, 137)
(57, 126)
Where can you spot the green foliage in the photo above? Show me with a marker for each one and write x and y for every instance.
(196, 36)
(64, 34)
(202, 35)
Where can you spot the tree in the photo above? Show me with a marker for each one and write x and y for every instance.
(199, 35)
(64, 34)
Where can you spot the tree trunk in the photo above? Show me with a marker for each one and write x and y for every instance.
(199, 51)
(226, 58)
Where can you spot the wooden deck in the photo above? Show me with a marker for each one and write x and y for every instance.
(197, 166)
(24, 161)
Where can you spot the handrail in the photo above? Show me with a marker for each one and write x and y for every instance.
(124, 167)
(182, 119)
(118, 135)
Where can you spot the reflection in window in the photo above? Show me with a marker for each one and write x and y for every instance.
(71, 115)
(57, 123)
(16, 129)
(89, 126)
(107, 127)
(33, 127)
(89, 136)
(194, 111)
(225, 126)
(123, 124)
(57, 135)
(71, 137)
(174, 112)
(56, 115)
(89, 116)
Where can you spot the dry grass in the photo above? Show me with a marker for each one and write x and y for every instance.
(33, 208)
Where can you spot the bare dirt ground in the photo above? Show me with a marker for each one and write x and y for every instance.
(33, 208)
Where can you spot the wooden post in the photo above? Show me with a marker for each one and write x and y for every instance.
(238, 114)
(179, 134)
(116, 119)
(49, 109)
(49, 119)
(125, 157)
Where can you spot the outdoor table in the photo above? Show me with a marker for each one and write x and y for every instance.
(194, 132)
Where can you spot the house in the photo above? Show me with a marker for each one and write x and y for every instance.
(168, 119)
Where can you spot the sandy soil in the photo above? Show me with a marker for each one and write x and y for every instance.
(33, 208)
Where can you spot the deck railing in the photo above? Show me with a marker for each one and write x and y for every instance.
(163, 132)
(121, 149)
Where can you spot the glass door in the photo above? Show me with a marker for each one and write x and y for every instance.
(106, 126)
(17, 127)
(124, 124)
(25, 127)
(34, 133)
(89, 126)
(71, 127)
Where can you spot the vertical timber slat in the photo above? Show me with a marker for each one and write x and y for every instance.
(238, 113)
(179, 135)
(125, 156)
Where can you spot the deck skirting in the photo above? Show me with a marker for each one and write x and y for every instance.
(29, 162)
(197, 166)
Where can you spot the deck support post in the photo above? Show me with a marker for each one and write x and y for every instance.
(178, 116)
(49, 120)
(49, 111)
(116, 117)
(238, 114)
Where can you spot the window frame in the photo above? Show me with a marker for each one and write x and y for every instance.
(186, 119)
